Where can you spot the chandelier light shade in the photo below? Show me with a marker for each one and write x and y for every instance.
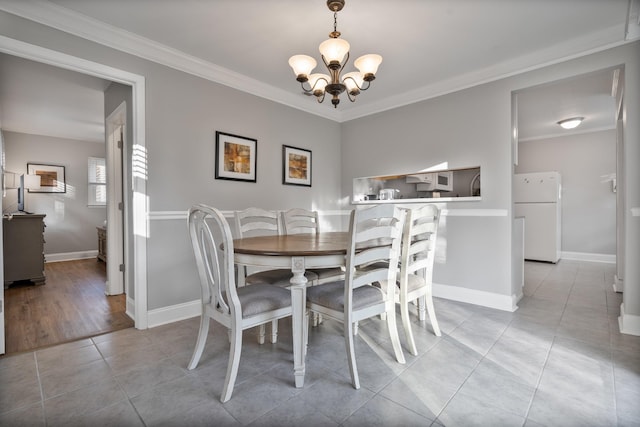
(318, 82)
(571, 123)
(368, 64)
(302, 64)
(353, 81)
(334, 50)
(335, 55)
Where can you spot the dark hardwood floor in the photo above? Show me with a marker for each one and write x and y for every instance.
(69, 306)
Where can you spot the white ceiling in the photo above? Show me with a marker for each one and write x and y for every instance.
(40, 99)
(429, 48)
(589, 96)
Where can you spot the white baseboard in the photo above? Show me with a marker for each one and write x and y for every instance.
(130, 310)
(618, 284)
(591, 257)
(70, 256)
(187, 310)
(472, 296)
(174, 313)
(629, 323)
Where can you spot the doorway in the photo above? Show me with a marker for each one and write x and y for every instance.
(115, 142)
(74, 299)
(134, 193)
(585, 157)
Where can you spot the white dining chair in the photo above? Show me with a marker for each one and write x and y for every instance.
(236, 309)
(415, 279)
(355, 298)
(260, 222)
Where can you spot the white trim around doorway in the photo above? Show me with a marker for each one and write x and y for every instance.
(138, 188)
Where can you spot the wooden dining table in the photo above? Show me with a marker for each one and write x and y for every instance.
(297, 252)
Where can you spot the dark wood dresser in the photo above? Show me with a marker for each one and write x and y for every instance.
(23, 243)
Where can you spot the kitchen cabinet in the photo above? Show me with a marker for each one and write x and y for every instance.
(23, 243)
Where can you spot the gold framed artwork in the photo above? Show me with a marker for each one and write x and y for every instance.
(236, 157)
(296, 166)
(52, 179)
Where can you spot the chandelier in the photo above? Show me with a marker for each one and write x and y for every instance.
(335, 55)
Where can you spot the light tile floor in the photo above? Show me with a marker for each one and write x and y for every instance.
(559, 360)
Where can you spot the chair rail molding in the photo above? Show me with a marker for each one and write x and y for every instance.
(180, 215)
(173, 215)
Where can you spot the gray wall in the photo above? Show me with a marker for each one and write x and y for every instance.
(71, 225)
(182, 118)
(585, 163)
(183, 113)
(473, 127)
(429, 133)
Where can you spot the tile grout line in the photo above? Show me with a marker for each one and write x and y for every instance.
(546, 359)
(611, 350)
(120, 386)
(376, 394)
(44, 413)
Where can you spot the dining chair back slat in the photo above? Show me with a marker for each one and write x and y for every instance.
(257, 222)
(299, 220)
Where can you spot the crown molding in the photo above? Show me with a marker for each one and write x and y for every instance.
(571, 49)
(80, 25)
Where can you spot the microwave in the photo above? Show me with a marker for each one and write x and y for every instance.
(433, 181)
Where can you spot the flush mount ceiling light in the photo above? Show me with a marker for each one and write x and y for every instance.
(571, 123)
(335, 55)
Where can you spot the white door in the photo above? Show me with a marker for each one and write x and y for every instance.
(115, 125)
(2, 279)
(2, 347)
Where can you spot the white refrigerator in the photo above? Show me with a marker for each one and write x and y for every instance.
(536, 198)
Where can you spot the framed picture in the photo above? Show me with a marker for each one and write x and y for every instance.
(296, 166)
(236, 157)
(51, 178)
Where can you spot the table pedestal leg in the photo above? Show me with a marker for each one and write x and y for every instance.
(299, 307)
